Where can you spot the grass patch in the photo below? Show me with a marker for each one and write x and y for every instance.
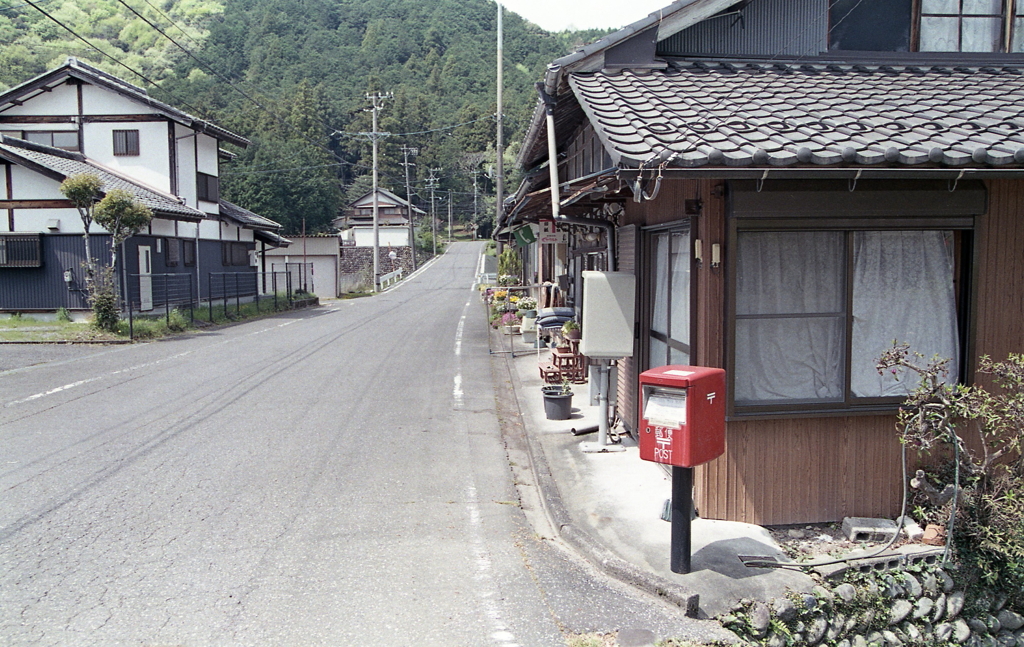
(25, 328)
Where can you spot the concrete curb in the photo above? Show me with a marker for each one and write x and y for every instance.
(592, 550)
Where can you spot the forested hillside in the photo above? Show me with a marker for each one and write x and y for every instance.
(292, 76)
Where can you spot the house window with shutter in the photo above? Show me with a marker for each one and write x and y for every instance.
(173, 252)
(207, 187)
(20, 250)
(188, 256)
(126, 142)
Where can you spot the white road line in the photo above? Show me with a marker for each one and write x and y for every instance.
(484, 575)
(138, 366)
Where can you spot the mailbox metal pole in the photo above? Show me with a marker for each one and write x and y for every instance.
(682, 509)
(602, 446)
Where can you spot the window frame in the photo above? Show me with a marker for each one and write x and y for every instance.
(963, 228)
(687, 226)
(126, 143)
(34, 242)
(172, 254)
(76, 149)
(207, 187)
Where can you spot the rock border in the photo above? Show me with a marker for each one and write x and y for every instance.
(903, 607)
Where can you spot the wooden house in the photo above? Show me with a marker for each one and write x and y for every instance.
(77, 119)
(794, 184)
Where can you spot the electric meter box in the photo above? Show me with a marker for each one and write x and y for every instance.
(682, 419)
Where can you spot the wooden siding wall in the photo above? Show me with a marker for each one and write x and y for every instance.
(803, 470)
(626, 256)
(585, 155)
(999, 324)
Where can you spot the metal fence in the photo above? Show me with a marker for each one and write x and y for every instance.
(248, 287)
(301, 274)
(161, 292)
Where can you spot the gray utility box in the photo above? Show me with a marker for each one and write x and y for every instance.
(609, 308)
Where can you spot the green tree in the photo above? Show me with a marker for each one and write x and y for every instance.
(84, 190)
(123, 216)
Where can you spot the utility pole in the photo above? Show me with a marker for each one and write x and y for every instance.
(406, 150)
(449, 216)
(432, 184)
(377, 101)
(500, 144)
(475, 213)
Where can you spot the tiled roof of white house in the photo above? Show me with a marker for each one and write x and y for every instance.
(704, 113)
(75, 68)
(60, 164)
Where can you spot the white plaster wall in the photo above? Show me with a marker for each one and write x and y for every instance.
(35, 220)
(186, 164)
(151, 166)
(161, 227)
(209, 230)
(29, 185)
(395, 236)
(187, 229)
(247, 235)
(62, 100)
(208, 159)
(100, 101)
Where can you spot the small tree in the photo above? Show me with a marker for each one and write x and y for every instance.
(123, 216)
(120, 214)
(84, 191)
(987, 505)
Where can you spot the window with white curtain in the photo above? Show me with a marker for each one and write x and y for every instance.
(815, 309)
(669, 339)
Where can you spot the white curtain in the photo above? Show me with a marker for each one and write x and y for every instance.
(902, 290)
(790, 324)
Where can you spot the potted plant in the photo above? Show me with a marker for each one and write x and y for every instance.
(527, 307)
(557, 400)
(571, 329)
(510, 323)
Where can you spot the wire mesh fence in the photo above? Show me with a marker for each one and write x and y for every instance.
(151, 294)
(267, 290)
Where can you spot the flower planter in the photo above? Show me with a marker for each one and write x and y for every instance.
(510, 330)
(557, 406)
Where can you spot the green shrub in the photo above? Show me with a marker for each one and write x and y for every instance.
(987, 513)
(63, 315)
(104, 300)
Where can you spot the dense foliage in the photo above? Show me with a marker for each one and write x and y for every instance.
(982, 431)
(292, 75)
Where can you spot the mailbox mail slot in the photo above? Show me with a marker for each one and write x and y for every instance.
(682, 421)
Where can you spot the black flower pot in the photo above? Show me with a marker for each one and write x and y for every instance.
(557, 405)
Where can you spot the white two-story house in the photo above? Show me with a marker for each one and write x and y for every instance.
(78, 119)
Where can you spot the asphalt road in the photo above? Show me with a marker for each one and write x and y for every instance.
(334, 477)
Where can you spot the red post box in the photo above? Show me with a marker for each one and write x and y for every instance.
(682, 419)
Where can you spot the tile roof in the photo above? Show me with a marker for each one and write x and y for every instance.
(62, 164)
(75, 68)
(768, 115)
(247, 218)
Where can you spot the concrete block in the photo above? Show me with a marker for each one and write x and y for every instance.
(867, 529)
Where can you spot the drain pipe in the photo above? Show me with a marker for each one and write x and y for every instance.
(546, 91)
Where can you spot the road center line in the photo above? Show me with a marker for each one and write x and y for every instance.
(72, 385)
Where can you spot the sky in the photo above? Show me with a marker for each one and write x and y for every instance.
(556, 15)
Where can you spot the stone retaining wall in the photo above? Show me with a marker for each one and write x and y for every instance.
(921, 606)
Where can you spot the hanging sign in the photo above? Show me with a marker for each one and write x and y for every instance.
(524, 236)
(551, 236)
